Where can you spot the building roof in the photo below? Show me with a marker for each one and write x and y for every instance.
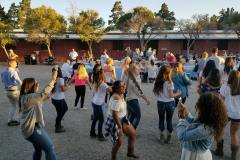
(119, 35)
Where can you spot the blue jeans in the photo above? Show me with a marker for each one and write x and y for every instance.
(41, 141)
(61, 108)
(168, 108)
(98, 116)
(134, 112)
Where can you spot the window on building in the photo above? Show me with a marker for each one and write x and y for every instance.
(223, 44)
(117, 45)
(185, 45)
(10, 47)
(44, 46)
(82, 45)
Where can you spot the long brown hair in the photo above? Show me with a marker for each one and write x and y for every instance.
(212, 113)
(229, 65)
(100, 78)
(234, 82)
(163, 75)
(96, 68)
(59, 75)
(214, 78)
(28, 86)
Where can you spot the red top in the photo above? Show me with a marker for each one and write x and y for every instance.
(79, 82)
(171, 60)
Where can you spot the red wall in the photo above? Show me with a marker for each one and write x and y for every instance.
(61, 48)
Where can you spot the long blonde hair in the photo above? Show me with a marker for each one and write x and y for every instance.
(177, 68)
(131, 73)
(125, 60)
(109, 61)
(81, 72)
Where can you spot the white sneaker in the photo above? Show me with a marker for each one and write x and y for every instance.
(75, 107)
(81, 109)
(84, 108)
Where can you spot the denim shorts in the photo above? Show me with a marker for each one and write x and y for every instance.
(234, 120)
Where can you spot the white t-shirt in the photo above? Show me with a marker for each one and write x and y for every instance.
(151, 58)
(67, 70)
(224, 75)
(232, 102)
(99, 96)
(164, 96)
(152, 71)
(218, 60)
(117, 105)
(103, 58)
(58, 93)
(73, 55)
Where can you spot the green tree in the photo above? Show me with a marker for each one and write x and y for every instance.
(167, 16)
(141, 23)
(23, 9)
(229, 20)
(6, 36)
(193, 28)
(117, 12)
(12, 15)
(3, 16)
(224, 19)
(43, 25)
(236, 23)
(88, 26)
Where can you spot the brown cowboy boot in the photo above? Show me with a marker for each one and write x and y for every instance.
(219, 149)
(59, 129)
(169, 138)
(161, 136)
(234, 155)
(131, 153)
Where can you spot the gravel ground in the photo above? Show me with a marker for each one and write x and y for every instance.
(75, 144)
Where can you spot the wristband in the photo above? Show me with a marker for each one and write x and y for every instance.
(181, 120)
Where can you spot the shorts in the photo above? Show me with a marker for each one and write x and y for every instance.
(234, 120)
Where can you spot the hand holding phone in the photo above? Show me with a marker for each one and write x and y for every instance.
(180, 100)
(56, 67)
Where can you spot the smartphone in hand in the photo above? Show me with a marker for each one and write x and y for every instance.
(56, 67)
(180, 100)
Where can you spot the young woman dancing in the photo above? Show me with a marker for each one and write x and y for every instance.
(163, 90)
(117, 122)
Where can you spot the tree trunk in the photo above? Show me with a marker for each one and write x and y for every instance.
(188, 47)
(90, 47)
(48, 47)
(5, 50)
(142, 43)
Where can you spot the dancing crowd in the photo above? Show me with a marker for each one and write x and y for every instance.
(218, 86)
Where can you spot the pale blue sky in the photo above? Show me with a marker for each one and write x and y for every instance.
(181, 8)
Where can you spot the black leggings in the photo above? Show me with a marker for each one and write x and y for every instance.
(183, 101)
(109, 84)
(80, 92)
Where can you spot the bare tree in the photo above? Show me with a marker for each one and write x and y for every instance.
(193, 28)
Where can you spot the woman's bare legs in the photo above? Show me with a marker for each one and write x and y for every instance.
(131, 133)
(235, 126)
